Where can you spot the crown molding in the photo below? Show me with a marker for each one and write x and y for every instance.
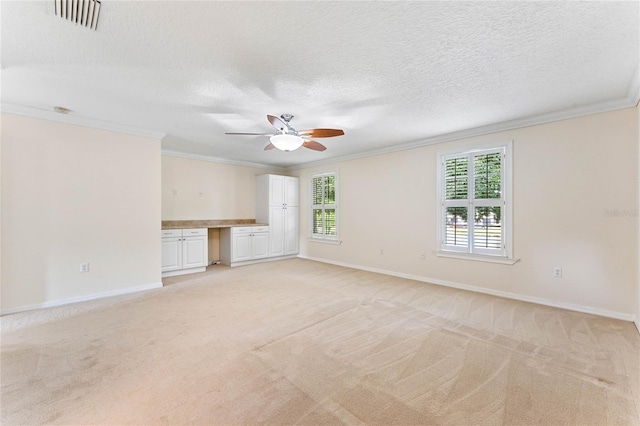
(220, 160)
(630, 101)
(76, 120)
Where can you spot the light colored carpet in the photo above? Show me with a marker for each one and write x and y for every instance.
(300, 342)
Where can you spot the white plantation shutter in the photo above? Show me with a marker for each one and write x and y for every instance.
(474, 202)
(324, 206)
(317, 228)
(488, 201)
(456, 203)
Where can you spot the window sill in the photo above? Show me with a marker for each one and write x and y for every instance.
(318, 240)
(477, 257)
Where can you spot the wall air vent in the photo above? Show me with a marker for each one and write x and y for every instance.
(81, 12)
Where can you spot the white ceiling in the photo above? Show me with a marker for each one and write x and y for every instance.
(391, 74)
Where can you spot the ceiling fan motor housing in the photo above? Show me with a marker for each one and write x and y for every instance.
(286, 118)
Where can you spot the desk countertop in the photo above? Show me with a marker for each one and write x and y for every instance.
(221, 223)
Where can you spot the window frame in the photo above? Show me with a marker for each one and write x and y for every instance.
(335, 239)
(503, 255)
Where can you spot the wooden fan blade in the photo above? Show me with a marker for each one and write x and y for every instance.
(322, 133)
(269, 147)
(277, 123)
(250, 134)
(316, 146)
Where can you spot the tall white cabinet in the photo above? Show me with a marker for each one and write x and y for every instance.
(277, 203)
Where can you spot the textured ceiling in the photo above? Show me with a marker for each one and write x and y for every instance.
(390, 74)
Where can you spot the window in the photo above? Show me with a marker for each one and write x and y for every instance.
(324, 209)
(475, 203)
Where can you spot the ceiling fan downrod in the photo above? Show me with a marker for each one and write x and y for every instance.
(286, 117)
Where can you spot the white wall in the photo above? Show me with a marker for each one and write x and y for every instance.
(205, 190)
(71, 195)
(567, 174)
(638, 206)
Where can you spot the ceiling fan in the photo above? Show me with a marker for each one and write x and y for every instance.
(289, 139)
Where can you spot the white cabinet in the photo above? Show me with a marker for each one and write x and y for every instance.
(277, 203)
(243, 243)
(171, 250)
(195, 248)
(282, 190)
(184, 251)
(283, 222)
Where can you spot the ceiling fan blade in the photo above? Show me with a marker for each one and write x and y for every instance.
(316, 146)
(278, 123)
(251, 134)
(269, 147)
(321, 133)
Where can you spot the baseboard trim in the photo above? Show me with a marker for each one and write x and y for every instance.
(499, 293)
(183, 272)
(61, 302)
(261, 260)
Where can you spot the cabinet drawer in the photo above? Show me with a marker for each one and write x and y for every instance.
(194, 232)
(241, 229)
(171, 233)
(259, 229)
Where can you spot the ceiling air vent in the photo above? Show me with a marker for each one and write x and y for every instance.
(81, 12)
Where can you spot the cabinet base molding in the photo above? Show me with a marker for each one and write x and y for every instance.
(266, 259)
(183, 272)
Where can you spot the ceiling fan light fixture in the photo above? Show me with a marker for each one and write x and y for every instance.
(286, 142)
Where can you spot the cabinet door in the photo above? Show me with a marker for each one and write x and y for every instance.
(276, 190)
(194, 252)
(291, 191)
(276, 231)
(291, 234)
(171, 254)
(241, 247)
(260, 245)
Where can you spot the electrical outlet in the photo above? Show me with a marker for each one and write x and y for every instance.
(423, 255)
(84, 267)
(381, 251)
(557, 272)
(201, 193)
(175, 192)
